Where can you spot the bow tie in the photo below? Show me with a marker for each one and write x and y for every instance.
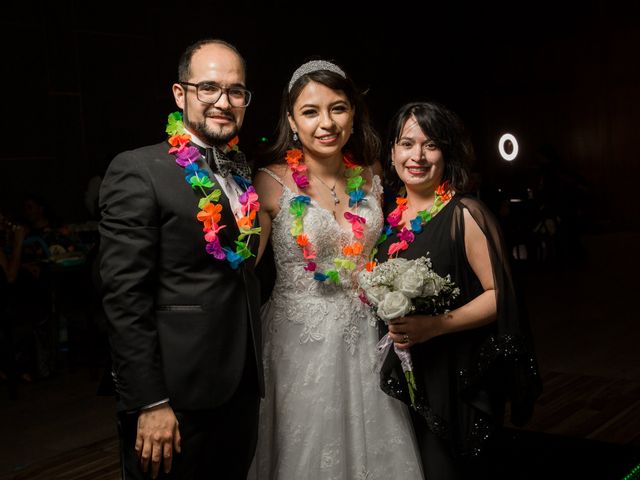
(219, 162)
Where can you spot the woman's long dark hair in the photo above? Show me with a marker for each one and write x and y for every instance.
(446, 129)
(364, 142)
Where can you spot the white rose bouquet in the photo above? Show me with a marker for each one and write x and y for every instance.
(398, 287)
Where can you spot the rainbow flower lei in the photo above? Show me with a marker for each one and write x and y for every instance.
(187, 157)
(298, 207)
(443, 194)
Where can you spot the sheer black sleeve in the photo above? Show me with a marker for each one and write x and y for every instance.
(507, 357)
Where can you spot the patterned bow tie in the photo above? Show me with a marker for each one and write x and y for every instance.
(220, 162)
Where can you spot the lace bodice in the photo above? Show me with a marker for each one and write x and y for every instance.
(300, 299)
(327, 236)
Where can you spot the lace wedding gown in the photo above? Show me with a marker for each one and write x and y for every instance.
(324, 415)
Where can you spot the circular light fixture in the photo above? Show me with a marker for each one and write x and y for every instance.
(507, 137)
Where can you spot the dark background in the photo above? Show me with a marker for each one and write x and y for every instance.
(83, 81)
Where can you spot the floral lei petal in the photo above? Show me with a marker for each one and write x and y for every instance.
(200, 182)
(296, 227)
(233, 258)
(250, 231)
(298, 207)
(398, 247)
(406, 235)
(212, 197)
(210, 212)
(333, 275)
(215, 249)
(355, 197)
(416, 225)
(443, 193)
(355, 183)
(242, 249)
(353, 171)
(344, 263)
(303, 198)
(174, 125)
(186, 156)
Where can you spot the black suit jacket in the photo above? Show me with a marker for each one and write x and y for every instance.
(180, 320)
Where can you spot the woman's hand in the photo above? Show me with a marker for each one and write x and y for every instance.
(408, 331)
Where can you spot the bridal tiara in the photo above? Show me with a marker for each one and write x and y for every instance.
(314, 66)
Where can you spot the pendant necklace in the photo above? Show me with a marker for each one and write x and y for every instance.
(332, 191)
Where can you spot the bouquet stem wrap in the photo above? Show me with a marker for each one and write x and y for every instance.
(400, 287)
(383, 347)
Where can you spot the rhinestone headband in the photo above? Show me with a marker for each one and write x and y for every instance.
(314, 66)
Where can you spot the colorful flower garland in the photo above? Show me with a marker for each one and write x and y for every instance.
(187, 157)
(298, 207)
(443, 194)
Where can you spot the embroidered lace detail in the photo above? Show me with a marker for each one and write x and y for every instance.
(324, 416)
(302, 300)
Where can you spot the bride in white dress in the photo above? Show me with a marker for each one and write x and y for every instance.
(324, 415)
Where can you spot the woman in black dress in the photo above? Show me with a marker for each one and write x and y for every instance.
(470, 361)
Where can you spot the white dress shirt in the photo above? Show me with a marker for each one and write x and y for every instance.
(231, 189)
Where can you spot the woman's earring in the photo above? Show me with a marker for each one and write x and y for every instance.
(295, 136)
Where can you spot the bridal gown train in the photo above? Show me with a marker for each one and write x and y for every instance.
(324, 416)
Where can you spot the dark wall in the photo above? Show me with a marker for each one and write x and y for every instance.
(84, 81)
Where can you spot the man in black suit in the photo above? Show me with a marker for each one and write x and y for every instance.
(183, 307)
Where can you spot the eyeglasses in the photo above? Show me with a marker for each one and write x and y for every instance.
(208, 92)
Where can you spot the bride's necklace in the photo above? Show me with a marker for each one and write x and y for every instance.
(209, 215)
(298, 207)
(442, 194)
(332, 190)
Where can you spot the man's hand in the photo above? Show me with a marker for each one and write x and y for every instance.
(158, 435)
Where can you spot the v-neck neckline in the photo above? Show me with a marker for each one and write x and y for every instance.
(437, 214)
(328, 213)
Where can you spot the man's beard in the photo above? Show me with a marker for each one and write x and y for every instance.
(207, 134)
(211, 137)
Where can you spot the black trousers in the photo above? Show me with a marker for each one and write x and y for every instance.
(216, 444)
